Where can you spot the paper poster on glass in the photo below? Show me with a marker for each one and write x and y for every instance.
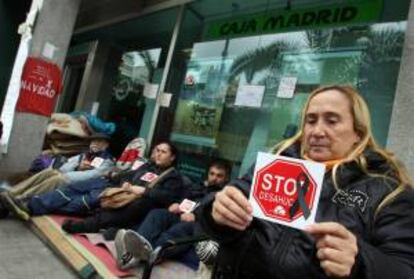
(320, 68)
(200, 105)
(309, 70)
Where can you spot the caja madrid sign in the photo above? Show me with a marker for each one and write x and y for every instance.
(286, 190)
(350, 12)
(40, 85)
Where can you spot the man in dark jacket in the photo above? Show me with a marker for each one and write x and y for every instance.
(162, 225)
(365, 218)
(168, 189)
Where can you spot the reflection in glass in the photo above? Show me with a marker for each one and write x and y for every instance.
(127, 102)
(367, 57)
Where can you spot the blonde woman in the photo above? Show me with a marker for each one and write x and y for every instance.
(365, 219)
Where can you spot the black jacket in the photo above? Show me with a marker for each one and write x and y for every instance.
(169, 189)
(200, 191)
(269, 250)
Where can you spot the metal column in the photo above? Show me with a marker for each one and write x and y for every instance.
(400, 136)
(165, 73)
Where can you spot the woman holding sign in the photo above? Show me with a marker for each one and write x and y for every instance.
(365, 220)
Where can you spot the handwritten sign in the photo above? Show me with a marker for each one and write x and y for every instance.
(150, 90)
(250, 96)
(287, 87)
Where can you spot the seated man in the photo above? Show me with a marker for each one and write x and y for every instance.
(91, 164)
(81, 198)
(162, 225)
(169, 188)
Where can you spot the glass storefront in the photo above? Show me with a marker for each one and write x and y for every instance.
(128, 105)
(129, 55)
(232, 99)
(241, 72)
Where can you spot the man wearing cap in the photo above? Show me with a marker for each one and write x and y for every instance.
(91, 164)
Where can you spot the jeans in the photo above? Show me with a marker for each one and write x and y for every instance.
(42, 182)
(160, 225)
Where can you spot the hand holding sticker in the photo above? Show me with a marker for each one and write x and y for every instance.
(187, 206)
(286, 190)
(97, 162)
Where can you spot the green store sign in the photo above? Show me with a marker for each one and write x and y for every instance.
(350, 12)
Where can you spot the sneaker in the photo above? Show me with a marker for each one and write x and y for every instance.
(72, 227)
(67, 226)
(121, 252)
(138, 245)
(127, 261)
(16, 206)
(156, 255)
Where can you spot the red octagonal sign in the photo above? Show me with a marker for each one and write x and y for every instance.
(279, 186)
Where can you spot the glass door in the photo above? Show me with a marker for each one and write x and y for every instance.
(229, 102)
(128, 105)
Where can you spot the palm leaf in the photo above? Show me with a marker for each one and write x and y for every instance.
(256, 60)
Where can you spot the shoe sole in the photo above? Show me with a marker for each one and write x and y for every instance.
(120, 246)
(10, 204)
(136, 244)
(125, 259)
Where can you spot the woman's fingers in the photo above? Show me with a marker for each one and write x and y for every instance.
(337, 256)
(237, 196)
(229, 210)
(334, 269)
(334, 235)
(234, 200)
(331, 228)
(336, 248)
(333, 241)
(232, 208)
(224, 220)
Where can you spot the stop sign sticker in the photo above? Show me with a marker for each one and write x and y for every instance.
(286, 190)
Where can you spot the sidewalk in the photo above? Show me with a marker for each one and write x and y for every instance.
(23, 255)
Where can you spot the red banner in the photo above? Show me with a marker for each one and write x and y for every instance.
(40, 84)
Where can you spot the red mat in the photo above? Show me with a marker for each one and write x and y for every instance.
(101, 255)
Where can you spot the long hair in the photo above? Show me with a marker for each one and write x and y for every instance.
(362, 126)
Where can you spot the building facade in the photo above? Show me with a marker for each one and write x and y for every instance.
(228, 79)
